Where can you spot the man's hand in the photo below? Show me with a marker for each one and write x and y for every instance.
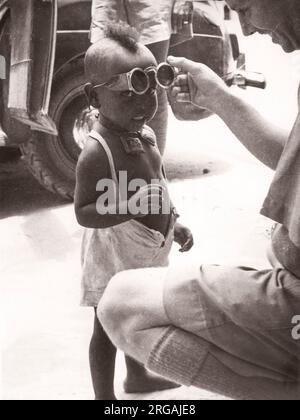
(183, 237)
(182, 14)
(198, 84)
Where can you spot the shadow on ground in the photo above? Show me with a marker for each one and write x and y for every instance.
(20, 193)
(180, 168)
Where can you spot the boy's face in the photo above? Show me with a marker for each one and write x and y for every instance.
(126, 109)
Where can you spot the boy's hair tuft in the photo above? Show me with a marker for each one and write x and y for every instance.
(124, 35)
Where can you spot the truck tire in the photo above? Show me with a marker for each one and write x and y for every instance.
(52, 160)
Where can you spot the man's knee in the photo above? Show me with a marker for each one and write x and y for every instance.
(133, 301)
(113, 310)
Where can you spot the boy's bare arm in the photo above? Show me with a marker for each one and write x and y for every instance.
(93, 167)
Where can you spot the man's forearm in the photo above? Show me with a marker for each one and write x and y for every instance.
(263, 139)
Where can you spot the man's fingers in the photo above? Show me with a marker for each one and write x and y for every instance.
(179, 90)
(181, 80)
(179, 62)
(185, 65)
(184, 97)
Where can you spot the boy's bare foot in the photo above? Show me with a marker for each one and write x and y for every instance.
(147, 383)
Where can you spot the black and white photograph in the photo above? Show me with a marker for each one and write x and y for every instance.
(149, 202)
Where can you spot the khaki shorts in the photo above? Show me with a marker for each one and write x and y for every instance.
(106, 252)
(244, 314)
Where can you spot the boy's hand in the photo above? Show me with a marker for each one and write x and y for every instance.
(148, 200)
(184, 237)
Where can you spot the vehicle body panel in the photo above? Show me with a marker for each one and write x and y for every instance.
(48, 79)
(29, 102)
(32, 62)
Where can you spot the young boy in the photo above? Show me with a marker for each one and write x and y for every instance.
(137, 228)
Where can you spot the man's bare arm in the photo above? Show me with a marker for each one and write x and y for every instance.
(263, 139)
(201, 86)
(92, 167)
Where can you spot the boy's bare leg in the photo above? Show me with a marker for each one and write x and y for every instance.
(139, 379)
(102, 363)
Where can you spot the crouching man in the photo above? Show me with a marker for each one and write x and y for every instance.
(226, 329)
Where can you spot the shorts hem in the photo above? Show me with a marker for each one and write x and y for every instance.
(91, 299)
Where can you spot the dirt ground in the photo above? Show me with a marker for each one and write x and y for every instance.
(218, 189)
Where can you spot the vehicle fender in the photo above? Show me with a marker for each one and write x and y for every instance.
(17, 132)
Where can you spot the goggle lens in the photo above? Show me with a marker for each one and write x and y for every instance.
(139, 81)
(165, 75)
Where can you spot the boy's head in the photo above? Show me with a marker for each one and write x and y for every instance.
(117, 53)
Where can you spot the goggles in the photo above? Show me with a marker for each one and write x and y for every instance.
(140, 81)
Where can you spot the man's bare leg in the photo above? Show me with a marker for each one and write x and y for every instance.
(141, 327)
(139, 379)
(149, 303)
